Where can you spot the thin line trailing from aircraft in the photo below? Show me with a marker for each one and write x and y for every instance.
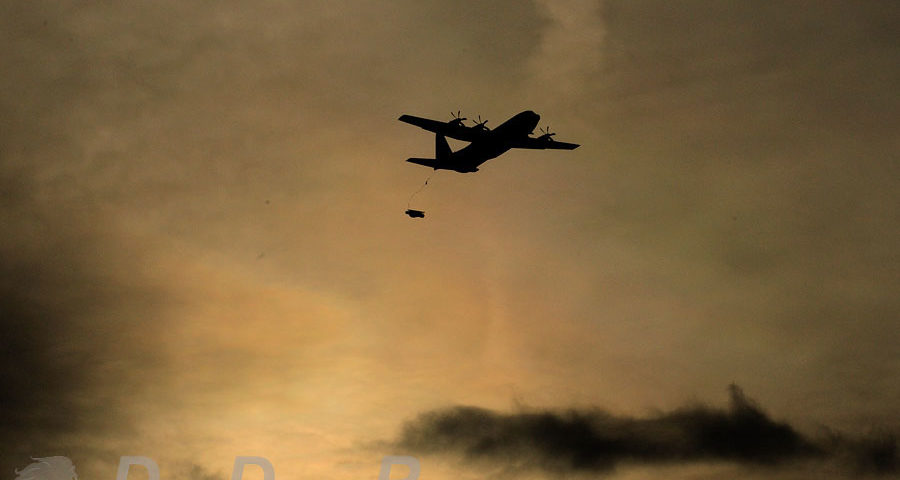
(409, 210)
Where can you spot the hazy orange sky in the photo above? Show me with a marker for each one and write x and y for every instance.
(204, 252)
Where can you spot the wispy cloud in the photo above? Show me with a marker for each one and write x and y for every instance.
(571, 49)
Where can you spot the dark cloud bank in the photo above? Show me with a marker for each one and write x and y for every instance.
(595, 440)
(77, 329)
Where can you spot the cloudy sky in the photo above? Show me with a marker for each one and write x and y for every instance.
(204, 252)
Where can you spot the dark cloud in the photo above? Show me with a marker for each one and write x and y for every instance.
(877, 452)
(75, 335)
(596, 440)
(77, 315)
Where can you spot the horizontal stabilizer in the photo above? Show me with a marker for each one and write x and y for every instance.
(428, 162)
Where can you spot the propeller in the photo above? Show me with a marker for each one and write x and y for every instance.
(546, 134)
(457, 118)
(480, 124)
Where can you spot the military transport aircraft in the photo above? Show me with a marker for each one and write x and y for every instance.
(485, 143)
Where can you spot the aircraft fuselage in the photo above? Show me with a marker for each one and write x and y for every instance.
(497, 142)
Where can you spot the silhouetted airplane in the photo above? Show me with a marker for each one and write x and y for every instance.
(485, 143)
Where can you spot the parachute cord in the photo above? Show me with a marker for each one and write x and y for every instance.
(409, 202)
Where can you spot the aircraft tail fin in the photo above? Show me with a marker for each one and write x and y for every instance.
(441, 148)
(442, 154)
(428, 162)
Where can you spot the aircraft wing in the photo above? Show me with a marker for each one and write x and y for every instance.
(447, 129)
(542, 144)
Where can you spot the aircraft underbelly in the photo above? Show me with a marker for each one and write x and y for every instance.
(471, 157)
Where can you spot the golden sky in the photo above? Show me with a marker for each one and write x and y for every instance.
(204, 252)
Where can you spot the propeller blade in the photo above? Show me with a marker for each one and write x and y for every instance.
(457, 118)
